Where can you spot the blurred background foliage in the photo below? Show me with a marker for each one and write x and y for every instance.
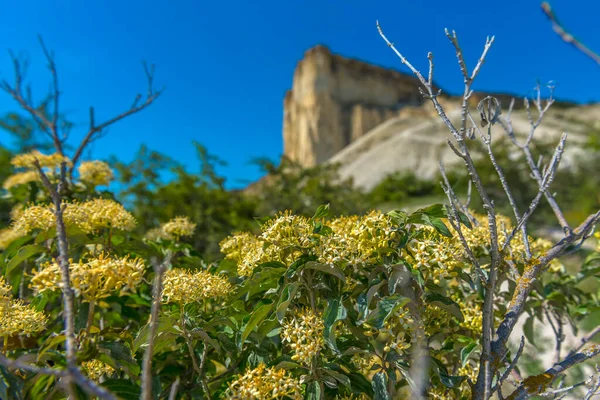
(156, 188)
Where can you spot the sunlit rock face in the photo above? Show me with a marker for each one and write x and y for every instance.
(335, 101)
(374, 121)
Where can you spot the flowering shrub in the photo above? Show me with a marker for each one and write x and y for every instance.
(375, 306)
(333, 307)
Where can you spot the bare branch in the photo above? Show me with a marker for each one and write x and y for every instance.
(94, 130)
(511, 367)
(174, 387)
(56, 93)
(537, 384)
(159, 270)
(590, 336)
(455, 219)
(566, 36)
(37, 113)
(484, 380)
(527, 280)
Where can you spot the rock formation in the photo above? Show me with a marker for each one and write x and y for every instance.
(373, 121)
(335, 101)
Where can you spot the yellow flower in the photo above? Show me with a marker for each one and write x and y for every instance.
(16, 211)
(262, 383)
(106, 213)
(356, 240)
(21, 178)
(179, 226)
(95, 279)
(42, 217)
(35, 217)
(5, 289)
(156, 234)
(96, 369)
(235, 246)
(287, 230)
(248, 251)
(304, 333)
(18, 318)
(185, 286)
(7, 236)
(27, 160)
(96, 173)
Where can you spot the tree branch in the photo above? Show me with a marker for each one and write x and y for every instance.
(94, 129)
(159, 270)
(566, 36)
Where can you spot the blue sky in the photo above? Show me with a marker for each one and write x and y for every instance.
(227, 64)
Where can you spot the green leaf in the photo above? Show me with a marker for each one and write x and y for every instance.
(51, 344)
(327, 269)
(10, 386)
(313, 391)
(123, 388)
(385, 307)
(287, 295)
(451, 381)
(322, 212)
(445, 303)
(341, 378)
(398, 276)
(360, 384)
(23, 254)
(263, 279)
(165, 335)
(297, 265)
(121, 355)
(528, 330)
(334, 312)
(433, 215)
(379, 384)
(466, 352)
(398, 216)
(261, 311)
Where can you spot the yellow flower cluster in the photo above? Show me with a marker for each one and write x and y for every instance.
(7, 236)
(5, 288)
(96, 173)
(434, 254)
(172, 230)
(288, 231)
(184, 286)
(473, 314)
(21, 178)
(106, 213)
(96, 369)
(156, 234)
(89, 216)
(354, 240)
(304, 333)
(28, 160)
(16, 211)
(436, 320)
(361, 396)
(179, 226)
(262, 383)
(95, 279)
(16, 317)
(364, 362)
(35, 217)
(237, 245)
(248, 251)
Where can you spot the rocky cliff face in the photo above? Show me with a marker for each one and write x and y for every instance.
(335, 101)
(373, 121)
